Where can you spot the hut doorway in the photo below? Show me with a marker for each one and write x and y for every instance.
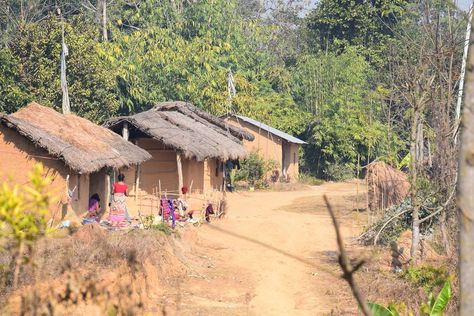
(285, 158)
(98, 184)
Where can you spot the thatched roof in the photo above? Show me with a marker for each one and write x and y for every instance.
(189, 130)
(84, 146)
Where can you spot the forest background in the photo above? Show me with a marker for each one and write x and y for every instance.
(337, 74)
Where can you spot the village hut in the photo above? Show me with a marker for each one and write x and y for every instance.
(188, 146)
(75, 152)
(271, 144)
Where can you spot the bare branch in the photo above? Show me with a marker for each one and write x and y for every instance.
(348, 269)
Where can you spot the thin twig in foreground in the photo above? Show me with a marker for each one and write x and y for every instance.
(348, 269)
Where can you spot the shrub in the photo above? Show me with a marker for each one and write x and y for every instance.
(435, 306)
(252, 170)
(23, 212)
(427, 277)
(339, 172)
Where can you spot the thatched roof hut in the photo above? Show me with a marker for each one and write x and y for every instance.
(84, 146)
(189, 130)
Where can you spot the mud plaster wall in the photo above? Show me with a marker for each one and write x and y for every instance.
(18, 155)
(163, 166)
(268, 145)
(193, 173)
(290, 161)
(214, 175)
(160, 168)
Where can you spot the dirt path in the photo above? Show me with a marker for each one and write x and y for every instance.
(274, 254)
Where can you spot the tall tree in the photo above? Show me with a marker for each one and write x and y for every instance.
(336, 24)
(92, 87)
(465, 193)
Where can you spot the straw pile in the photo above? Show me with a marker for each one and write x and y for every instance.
(386, 186)
(84, 146)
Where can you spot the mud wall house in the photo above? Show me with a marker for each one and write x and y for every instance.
(271, 144)
(75, 152)
(188, 147)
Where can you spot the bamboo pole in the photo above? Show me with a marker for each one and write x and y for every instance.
(137, 181)
(357, 184)
(125, 132)
(180, 173)
(367, 185)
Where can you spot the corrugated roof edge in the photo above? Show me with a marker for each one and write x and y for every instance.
(269, 129)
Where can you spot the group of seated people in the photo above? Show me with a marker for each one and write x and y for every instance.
(175, 209)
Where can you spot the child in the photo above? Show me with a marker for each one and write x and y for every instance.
(93, 211)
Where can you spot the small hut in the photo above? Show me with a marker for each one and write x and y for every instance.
(75, 152)
(188, 147)
(271, 144)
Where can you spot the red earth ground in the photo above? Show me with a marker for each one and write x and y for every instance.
(274, 254)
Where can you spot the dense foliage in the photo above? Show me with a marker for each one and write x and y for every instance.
(325, 75)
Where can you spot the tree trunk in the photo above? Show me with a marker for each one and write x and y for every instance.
(444, 233)
(413, 186)
(104, 21)
(463, 70)
(18, 261)
(420, 144)
(465, 193)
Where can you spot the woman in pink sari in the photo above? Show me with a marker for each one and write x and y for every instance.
(118, 207)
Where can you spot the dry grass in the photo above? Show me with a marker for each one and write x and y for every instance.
(286, 187)
(94, 273)
(387, 186)
(380, 285)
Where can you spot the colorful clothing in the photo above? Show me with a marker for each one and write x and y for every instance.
(120, 187)
(118, 209)
(93, 210)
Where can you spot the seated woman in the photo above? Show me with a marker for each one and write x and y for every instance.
(93, 212)
(118, 207)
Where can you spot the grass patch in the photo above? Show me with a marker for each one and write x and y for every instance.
(427, 277)
(308, 179)
(162, 227)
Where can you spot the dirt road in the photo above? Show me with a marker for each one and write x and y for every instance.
(274, 254)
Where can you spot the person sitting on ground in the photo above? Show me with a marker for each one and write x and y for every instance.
(93, 212)
(118, 207)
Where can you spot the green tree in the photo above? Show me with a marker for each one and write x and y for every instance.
(337, 24)
(37, 47)
(182, 51)
(13, 92)
(345, 107)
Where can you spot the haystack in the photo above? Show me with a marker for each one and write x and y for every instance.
(386, 186)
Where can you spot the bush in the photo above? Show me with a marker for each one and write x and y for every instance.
(23, 211)
(252, 170)
(427, 277)
(339, 172)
